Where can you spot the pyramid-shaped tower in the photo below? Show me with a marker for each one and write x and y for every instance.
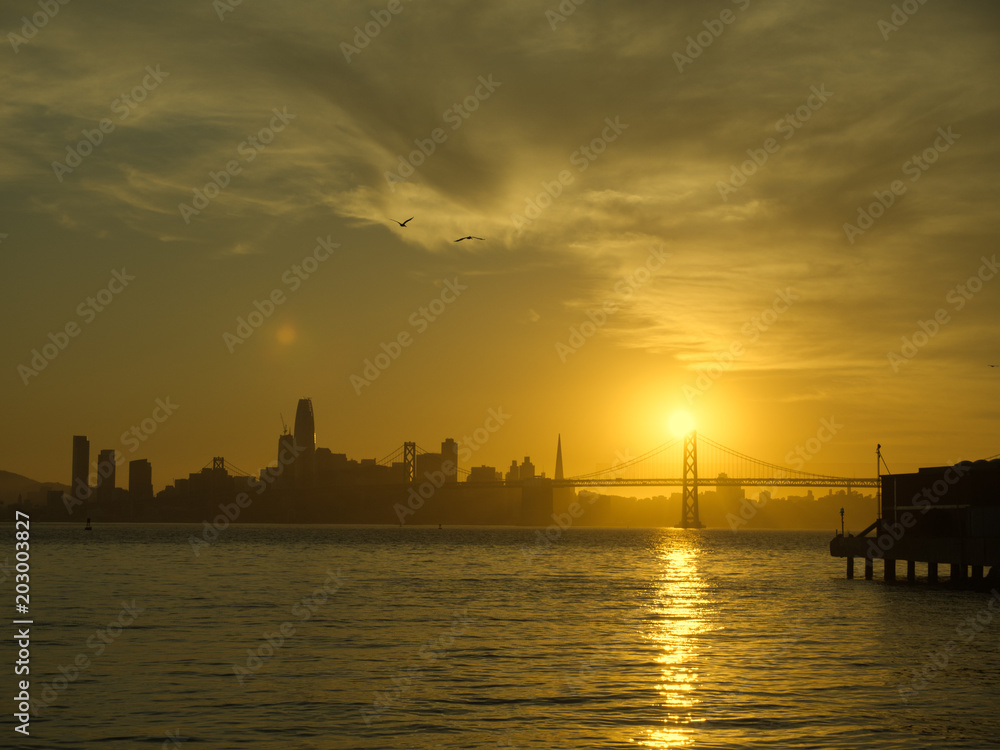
(559, 466)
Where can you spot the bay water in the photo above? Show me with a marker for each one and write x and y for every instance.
(277, 636)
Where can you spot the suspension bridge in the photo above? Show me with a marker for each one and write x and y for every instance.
(659, 468)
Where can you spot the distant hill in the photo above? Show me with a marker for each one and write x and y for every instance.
(12, 485)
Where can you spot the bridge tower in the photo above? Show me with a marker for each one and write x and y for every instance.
(689, 501)
(410, 461)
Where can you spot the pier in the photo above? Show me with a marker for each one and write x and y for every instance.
(946, 518)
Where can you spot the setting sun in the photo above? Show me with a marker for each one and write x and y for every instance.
(680, 423)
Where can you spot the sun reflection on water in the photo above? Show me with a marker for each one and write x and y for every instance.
(679, 617)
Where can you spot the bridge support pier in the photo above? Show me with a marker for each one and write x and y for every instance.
(911, 571)
(850, 568)
(932, 572)
(869, 568)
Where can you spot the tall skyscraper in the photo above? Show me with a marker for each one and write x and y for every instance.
(513, 473)
(284, 472)
(449, 452)
(305, 440)
(559, 466)
(562, 497)
(140, 479)
(106, 475)
(526, 470)
(305, 424)
(80, 485)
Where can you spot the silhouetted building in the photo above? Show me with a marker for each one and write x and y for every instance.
(284, 471)
(526, 469)
(520, 473)
(938, 515)
(80, 485)
(445, 462)
(305, 439)
(562, 497)
(559, 466)
(330, 466)
(731, 495)
(960, 501)
(210, 485)
(484, 474)
(140, 479)
(536, 500)
(449, 459)
(106, 475)
(426, 465)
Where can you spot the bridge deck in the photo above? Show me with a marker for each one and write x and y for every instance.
(702, 483)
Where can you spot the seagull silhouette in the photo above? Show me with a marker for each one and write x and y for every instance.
(470, 237)
(404, 223)
(993, 365)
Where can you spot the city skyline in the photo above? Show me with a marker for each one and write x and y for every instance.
(297, 451)
(129, 451)
(311, 484)
(301, 462)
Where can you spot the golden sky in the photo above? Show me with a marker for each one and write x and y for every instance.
(767, 214)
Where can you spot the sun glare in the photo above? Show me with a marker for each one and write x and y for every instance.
(680, 423)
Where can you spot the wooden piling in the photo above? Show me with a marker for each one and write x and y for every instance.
(958, 572)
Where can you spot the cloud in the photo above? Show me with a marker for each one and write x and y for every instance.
(535, 145)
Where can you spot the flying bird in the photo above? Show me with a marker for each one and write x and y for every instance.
(470, 237)
(993, 365)
(404, 223)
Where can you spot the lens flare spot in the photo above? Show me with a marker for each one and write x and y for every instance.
(287, 334)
